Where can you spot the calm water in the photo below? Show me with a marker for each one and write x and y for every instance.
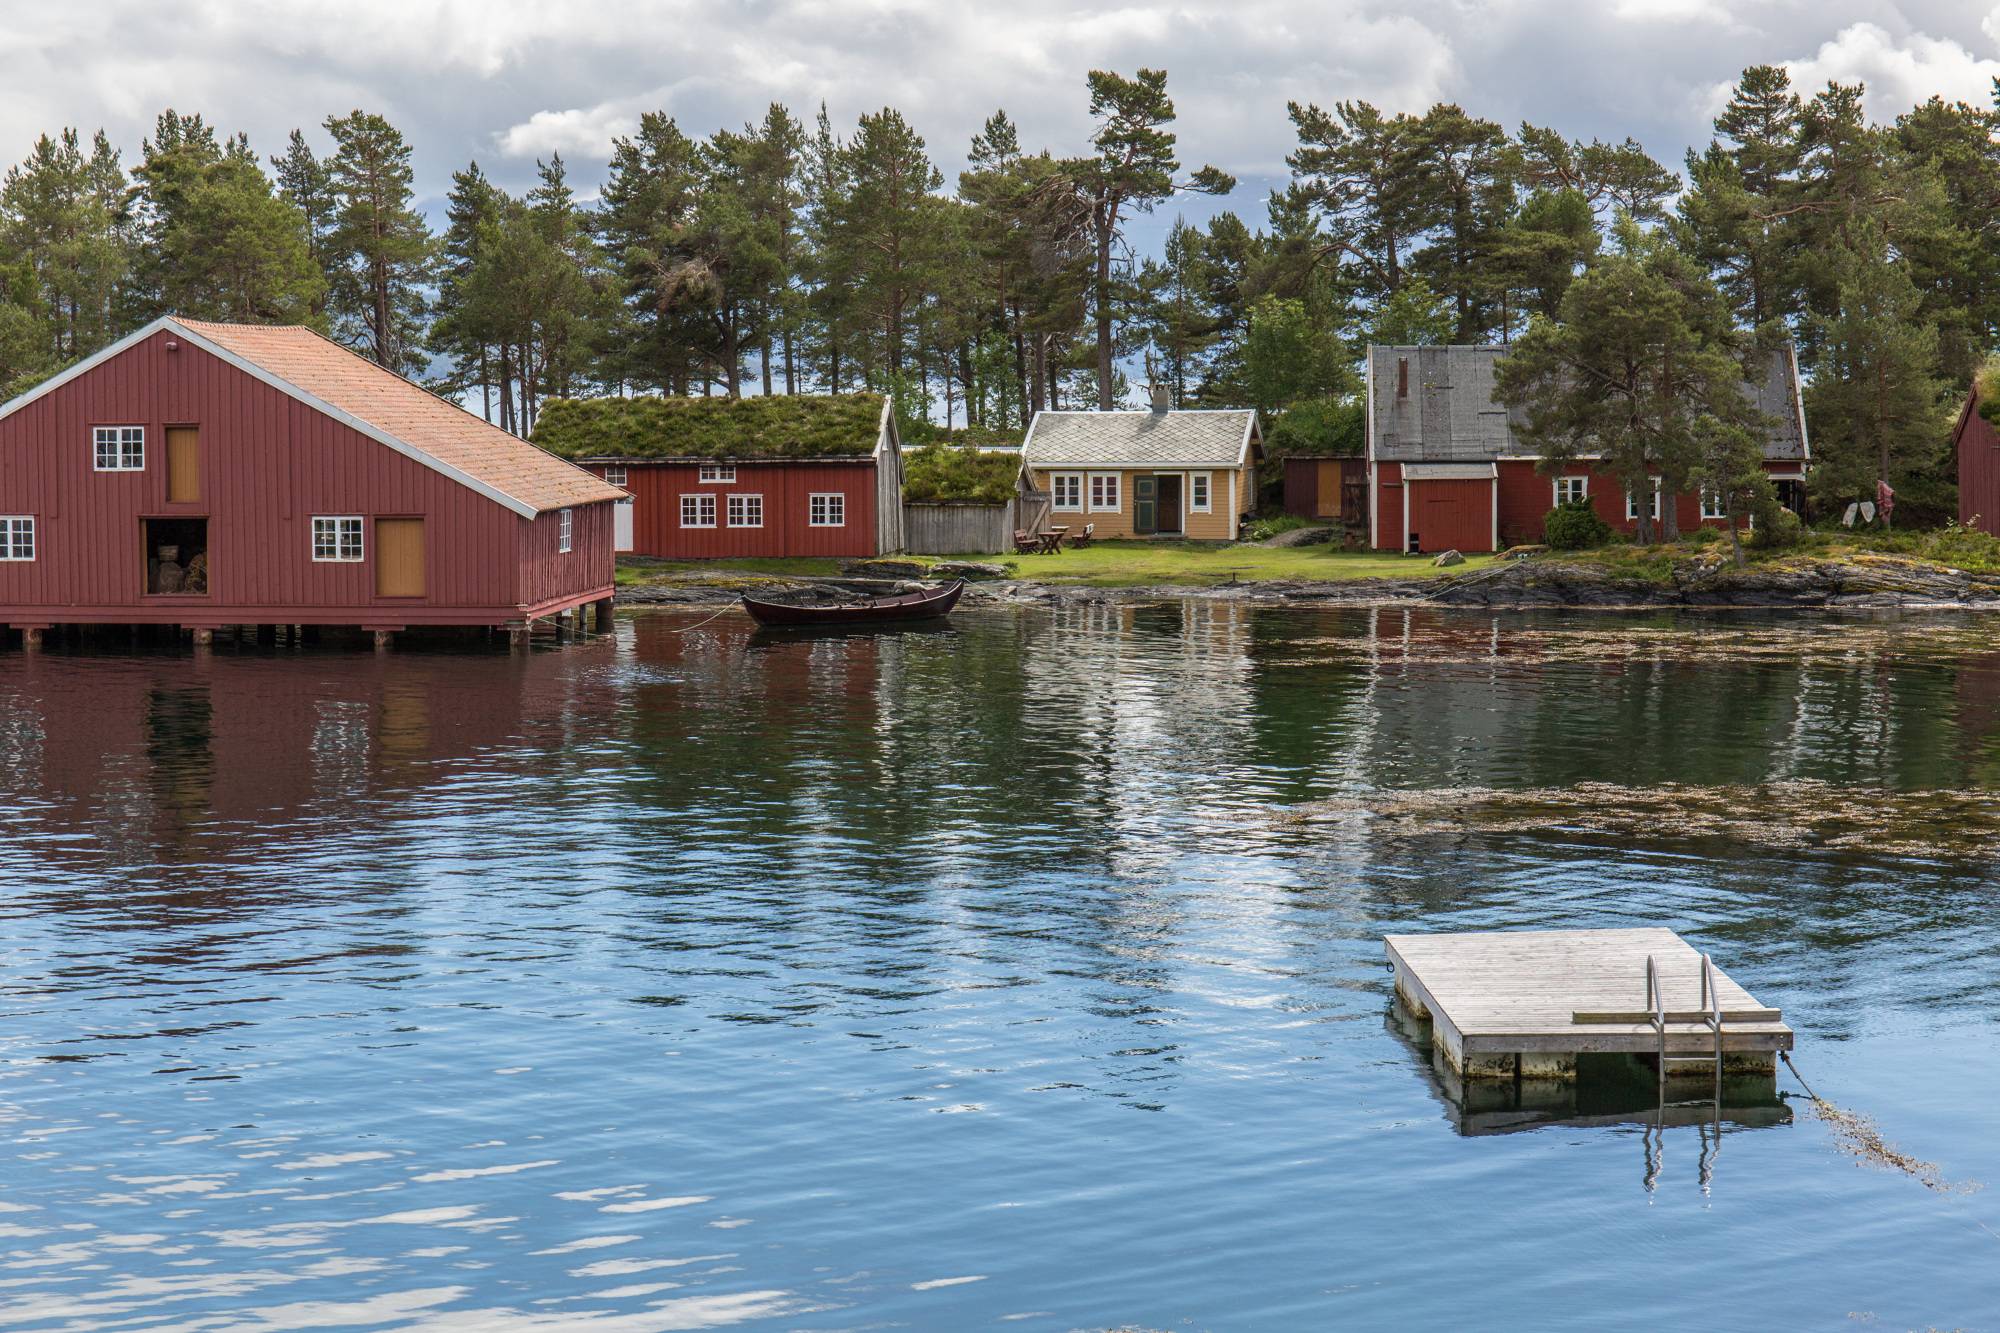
(1022, 975)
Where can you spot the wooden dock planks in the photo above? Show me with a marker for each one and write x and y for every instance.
(1534, 993)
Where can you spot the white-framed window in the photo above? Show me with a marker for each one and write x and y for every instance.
(697, 511)
(827, 510)
(564, 531)
(746, 511)
(1632, 504)
(722, 472)
(1104, 495)
(1569, 490)
(1711, 505)
(1066, 491)
(337, 538)
(1199, 501)
(615, 475)
(17, 537)
(118, 448)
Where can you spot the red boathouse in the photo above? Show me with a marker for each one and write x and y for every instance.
(716, 478)
(1446, 470)
(203, 475)
(1976, 446)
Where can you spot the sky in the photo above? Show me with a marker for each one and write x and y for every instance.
(509, 81)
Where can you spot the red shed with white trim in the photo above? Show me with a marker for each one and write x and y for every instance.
(1446, 470)
(204, 474)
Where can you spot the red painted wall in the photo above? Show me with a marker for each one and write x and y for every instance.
(1452, 515)
(1978, 446)
(656, 510)
(268, 464)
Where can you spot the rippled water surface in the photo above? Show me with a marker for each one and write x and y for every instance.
(1027, 974)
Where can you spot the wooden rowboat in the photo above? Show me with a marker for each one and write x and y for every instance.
(930, 604)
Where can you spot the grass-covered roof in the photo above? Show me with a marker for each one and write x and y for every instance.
(776, 426)
(942, 473)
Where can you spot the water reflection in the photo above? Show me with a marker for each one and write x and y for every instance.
(1028, 969)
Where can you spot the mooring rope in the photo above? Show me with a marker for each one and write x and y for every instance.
(1860, 1138)
(685, 629)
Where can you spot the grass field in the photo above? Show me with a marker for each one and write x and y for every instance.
(1104, 565)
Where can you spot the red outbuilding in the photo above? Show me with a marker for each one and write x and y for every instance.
(202, 475)
(1976, 445)
(1447, 470)
(714, 478)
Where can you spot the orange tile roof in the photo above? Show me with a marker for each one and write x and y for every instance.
(410, 414)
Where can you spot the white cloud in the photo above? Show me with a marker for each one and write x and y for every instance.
(576, 131)
(1900, 71)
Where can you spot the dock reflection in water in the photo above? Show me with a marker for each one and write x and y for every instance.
(1029, 971)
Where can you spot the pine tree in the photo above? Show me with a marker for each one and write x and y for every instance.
(63, 233)
(472, 212)
(1131, 171)
(381, 247)
(306, 183)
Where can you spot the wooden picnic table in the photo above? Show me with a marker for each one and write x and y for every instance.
(1051, 540)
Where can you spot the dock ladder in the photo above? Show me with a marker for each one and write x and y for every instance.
(1710, 1016)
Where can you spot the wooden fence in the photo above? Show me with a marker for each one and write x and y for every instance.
(971, 529)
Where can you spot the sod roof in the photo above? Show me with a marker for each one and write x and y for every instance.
(775, 426)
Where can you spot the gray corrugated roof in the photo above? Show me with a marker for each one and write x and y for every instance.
(1138, 439)
(1451, 414)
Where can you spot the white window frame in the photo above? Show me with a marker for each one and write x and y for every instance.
(1632, 504)
(820, 515)
(746, 500)
(1202, 483)
(12, 529)
(701, 500)
(614, 476)
(127, 448)
(336, 529)
(724, 473)
(1561, 484)
(1113, 487)
(1711, 507)
(1070, 481)
(565, 532)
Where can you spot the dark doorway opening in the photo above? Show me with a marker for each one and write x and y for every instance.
(177, 557)
(1169, 520)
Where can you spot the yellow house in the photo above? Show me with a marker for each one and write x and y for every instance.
(1160, 473)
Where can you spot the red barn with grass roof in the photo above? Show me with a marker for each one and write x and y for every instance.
(782, 475)
(205, 475)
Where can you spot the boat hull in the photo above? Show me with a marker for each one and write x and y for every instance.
(903, 609)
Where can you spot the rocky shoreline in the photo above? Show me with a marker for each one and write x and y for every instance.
(1803, 584)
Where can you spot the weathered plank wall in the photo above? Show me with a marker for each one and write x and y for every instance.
(958, 529)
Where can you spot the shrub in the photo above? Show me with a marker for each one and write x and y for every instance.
(1574, 526)
(1702, 536)
(1777, 530)
(959, 474)
(1263, 529)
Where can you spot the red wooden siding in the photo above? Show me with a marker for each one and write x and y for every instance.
(1978, 447)
(786, 487)
(1452, 515)
(268, 465)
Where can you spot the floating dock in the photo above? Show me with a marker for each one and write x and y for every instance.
(1524, 1004)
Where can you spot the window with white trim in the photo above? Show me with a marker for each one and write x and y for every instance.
(564, 531)
(1632, 503)
(1571, 490)
(746, 511)
(1711, 505)
(697, 511)
(718, 472)
(337, 538)
(17, 537)
(1066, 491)
(827, 511)
(615, 475)
(1199, 498)
(118, 448)
(1104, 492)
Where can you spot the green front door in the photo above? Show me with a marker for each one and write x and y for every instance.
(1145, 505)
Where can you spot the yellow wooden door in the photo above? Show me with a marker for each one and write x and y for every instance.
(1328, 491)
(399, 557)
(183, 464)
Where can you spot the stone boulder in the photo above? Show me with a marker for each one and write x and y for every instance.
(885, 567)
(1448, 559)
(1300, 537)
(970, 570)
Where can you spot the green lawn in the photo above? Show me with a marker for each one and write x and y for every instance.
(1111, 564)
(1123, 564)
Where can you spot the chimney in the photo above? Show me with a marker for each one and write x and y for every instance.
(1402, 377)
(1163, 397)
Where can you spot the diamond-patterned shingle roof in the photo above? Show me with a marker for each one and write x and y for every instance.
(1212, 438)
